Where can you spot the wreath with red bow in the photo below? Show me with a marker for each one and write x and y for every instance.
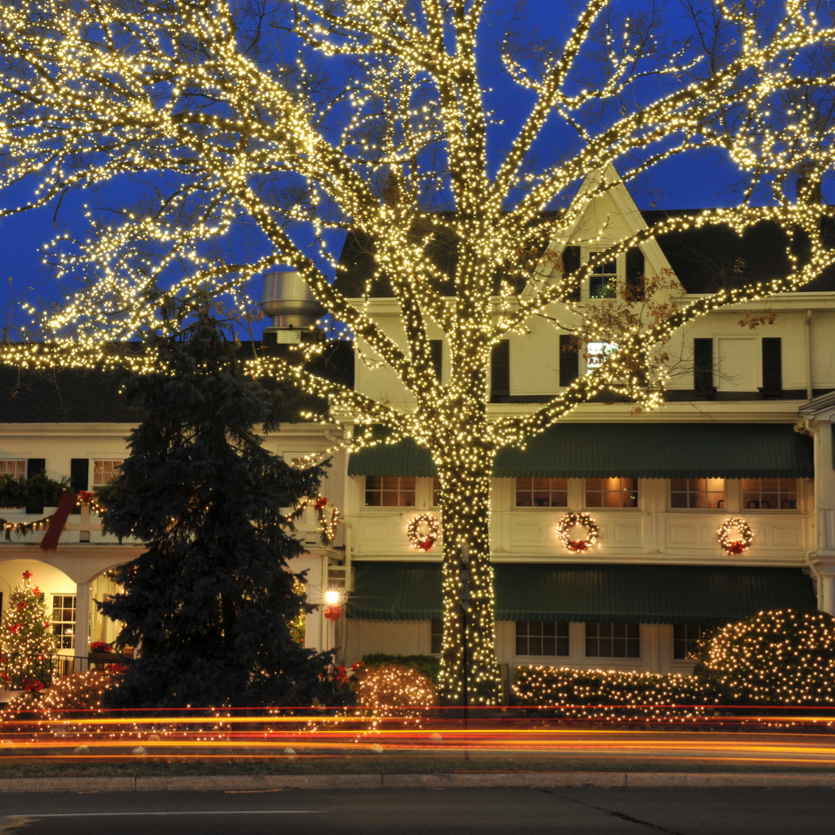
(423, 531)
(571, 521)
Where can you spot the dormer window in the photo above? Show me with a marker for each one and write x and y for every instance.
(603, 281)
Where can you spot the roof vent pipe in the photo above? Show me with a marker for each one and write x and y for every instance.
(287, 300)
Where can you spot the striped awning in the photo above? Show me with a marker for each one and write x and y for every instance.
(636, 450)
(402, 591)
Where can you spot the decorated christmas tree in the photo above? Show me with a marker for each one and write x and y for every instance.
(26, 640)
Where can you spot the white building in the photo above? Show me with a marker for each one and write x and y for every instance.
(746, 430)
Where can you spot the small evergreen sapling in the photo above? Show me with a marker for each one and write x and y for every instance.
(27, 643)
(211, 602)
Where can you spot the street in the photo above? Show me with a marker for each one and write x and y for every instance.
(598, 811)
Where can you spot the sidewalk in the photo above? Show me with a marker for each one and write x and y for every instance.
(271, 782)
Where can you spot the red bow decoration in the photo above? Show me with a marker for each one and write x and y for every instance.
(321, 503)
(425, 544)
(33, 684)
(333, 612)
(85, 496)
(14, 628)
(27, 574)
(736, 548)
(578, 545)
(21, 604)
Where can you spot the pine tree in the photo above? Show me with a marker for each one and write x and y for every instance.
(211, 601)
(27, 643)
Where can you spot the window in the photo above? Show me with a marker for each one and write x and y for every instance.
(436, 492)
(541, 492)
(613, 640)
(16, 468)
(769, 494)
(389, 491)
(697, 492)
(596, 353)
(63, 619)
(436, 631)
(536, 637)
(603, 281)
(105, 471)
(611, 492)
(689, 640)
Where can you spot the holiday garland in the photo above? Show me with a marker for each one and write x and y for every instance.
(570, 521)
(420, 539)
(735, 546)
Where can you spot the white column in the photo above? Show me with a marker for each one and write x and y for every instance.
(82, 624)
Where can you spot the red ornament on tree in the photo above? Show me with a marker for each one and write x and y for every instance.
(27, 574)
(321, 503)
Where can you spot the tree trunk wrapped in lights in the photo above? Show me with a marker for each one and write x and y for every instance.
(382, 117)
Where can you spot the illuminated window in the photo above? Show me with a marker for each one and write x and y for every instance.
(389, 491)
(105, 471)
(613, 640)
(697, 493)
(596, 352)
(769, 494)
(611, 492)
(603, 281)
(63, 619)
(436, 492)
(541, 492)
(689, 640)
(436, 630)
(536, 637)
(16, 468)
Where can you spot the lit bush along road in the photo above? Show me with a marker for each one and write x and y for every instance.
(796, 738)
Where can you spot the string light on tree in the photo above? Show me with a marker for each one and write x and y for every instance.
(261, 149)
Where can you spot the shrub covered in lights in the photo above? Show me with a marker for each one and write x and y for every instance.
(773, 658)
(392, 691)
(602, 694)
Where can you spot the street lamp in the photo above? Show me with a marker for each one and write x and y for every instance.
(333, 611)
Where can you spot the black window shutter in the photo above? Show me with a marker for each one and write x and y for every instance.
(435, 346)
(569, 361)
(35, 466)
(500, 369)
(703, 366)
(635, 274)
(772, 366)
(570, 264)
(79, 474)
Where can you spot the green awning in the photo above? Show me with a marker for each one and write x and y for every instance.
(582, 592)
(637, 450)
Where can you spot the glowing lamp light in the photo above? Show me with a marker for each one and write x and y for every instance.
(331, 597)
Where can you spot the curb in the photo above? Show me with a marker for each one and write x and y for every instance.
(534, 780)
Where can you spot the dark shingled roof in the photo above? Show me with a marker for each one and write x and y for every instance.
(704, 259)
(71, 395)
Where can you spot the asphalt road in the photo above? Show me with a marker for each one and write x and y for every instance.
(598, 811)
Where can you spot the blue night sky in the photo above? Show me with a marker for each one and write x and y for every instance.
(691, 182)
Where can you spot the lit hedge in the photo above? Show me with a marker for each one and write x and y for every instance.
(773, 658)
(607, 694)
(387, 691)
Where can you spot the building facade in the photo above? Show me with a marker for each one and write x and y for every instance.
(745, 432)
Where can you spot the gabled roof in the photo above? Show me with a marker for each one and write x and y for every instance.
(704, 259)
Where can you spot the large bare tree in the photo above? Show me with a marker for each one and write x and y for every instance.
(297, 120)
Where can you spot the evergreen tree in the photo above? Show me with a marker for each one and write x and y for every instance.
(27, 643)
(211, 601)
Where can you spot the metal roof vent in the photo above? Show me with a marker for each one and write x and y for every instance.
(287, 300)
